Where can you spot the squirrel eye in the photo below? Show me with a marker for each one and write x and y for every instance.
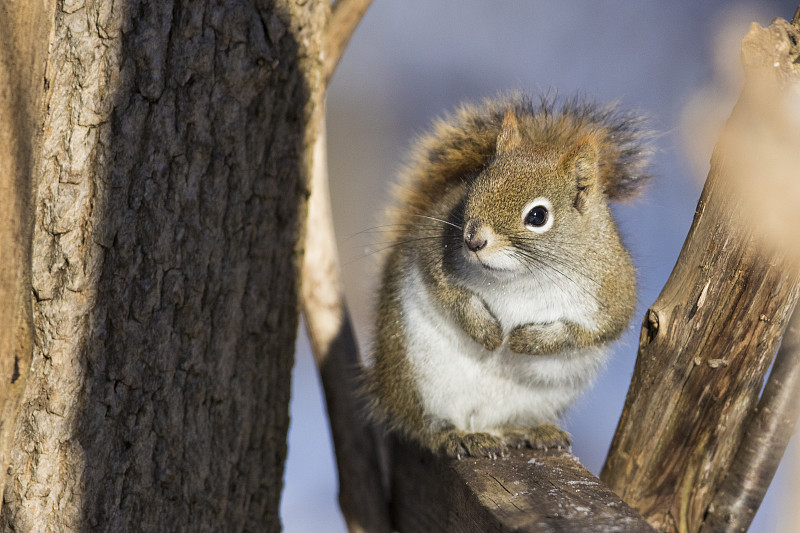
(537, 215)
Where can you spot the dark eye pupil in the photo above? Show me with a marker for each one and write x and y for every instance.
(536, 216)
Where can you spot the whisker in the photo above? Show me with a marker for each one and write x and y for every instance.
(549, 265)
(441, 220)
(427, 240)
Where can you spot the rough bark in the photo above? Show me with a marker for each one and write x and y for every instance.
(24, 35)
(708, 340)
(172, 195)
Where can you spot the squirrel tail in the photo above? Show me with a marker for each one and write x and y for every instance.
(464, 141)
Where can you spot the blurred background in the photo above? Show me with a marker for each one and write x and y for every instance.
(676, 62)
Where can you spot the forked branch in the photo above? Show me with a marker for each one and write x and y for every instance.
(709, 338)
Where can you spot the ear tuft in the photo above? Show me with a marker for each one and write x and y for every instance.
(510, 136)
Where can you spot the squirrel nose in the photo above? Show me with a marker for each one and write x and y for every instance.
(474, 239)
(474, 244)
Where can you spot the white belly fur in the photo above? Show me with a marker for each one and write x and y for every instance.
(476, 390)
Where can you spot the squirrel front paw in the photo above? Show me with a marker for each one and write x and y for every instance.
(481, 325)
(490, 336)
(537, 339)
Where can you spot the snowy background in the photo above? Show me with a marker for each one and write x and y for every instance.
(410, 60)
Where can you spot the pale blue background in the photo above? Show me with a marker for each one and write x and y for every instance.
(412, 59)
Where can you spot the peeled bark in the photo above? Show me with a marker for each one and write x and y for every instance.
(171, 198)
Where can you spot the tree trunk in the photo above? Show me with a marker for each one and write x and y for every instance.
(171, 198)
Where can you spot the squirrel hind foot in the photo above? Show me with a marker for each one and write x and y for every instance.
(541, 437)
(460, 444)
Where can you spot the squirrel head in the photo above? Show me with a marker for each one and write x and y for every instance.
(532, 202)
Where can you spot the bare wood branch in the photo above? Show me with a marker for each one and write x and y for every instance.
(766, 437)
(24, 36)
(361, 494)
(707, 341)
(528, 491)
(345, 16)
(768, 431)
(332, 340)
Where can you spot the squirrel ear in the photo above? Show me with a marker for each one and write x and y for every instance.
(510, 136)
(582, 163)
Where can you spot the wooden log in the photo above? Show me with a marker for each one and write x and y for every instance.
(527, 491)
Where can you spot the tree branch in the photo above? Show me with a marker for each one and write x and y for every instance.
(345, 16)
(707, 341)
(361, 494)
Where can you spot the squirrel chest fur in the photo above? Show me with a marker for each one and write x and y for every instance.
(507, 278)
